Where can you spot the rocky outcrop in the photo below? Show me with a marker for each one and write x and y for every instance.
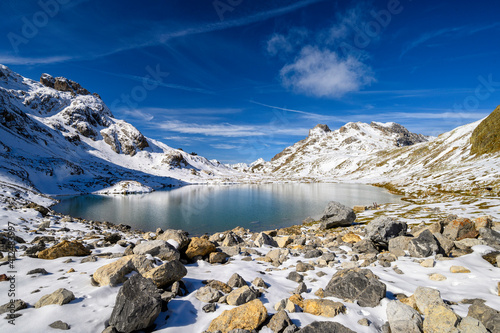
(124, 138)
(137, 305)
(63, 84)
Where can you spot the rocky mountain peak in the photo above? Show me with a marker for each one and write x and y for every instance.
(62, 84)
(318, 130)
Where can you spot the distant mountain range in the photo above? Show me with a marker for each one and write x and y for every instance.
(56, 137)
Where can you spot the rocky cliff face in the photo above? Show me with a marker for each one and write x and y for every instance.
(58, 138)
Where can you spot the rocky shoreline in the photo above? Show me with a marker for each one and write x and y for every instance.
(426, 266)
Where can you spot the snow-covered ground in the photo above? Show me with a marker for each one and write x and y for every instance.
(93, 305)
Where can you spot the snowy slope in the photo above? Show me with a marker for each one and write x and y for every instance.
(67, 141)
(387, 153)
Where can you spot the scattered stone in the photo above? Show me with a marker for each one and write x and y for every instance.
(236, 281)
(467, 243)
(314, 253)
(60, 297)
(264, 239)
(459, 229)
(294, 276)
(297, 300)
(44, 225)
(218, 258)
(425, 297)
(489, 317)
(424, 245)
(365, 246)
(167, 273)
(59, 325)
(445, 243)
(351, 238)
(241, 296)
(303, 267)
(492, 257)
(439, 318)
(199, 247)
(284, 241)
(208, 294)
(211, 307)
(356, 285)
(278, 256)
(113, 238)
(157, 248)
(13, 306)
(491, 236)
(301, 288)
(116, 272)
(364, 322)
(459, 269)
(248, 316)
(137, 305)
(471, 325)
(384, 228)
(38, 271)
(325, 327)
(259, 283)
(437, 277)
(337, 215)
(179, 238)
(218, 285)
(279, 322)
(429, 263)
(403, 318)
(483, 222)
(323, 307)
(398, 245)
(64, 249)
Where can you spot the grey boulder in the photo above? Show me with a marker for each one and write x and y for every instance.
(337, 215)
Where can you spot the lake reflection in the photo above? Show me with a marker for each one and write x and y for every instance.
(201, 209)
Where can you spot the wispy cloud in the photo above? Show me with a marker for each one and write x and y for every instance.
(18, 60)
(224, 146)
(194, 111)
(450, 31)
(230, 130)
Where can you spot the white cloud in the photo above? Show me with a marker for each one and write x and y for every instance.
(224, 146)
(16, 60)
(323, 73)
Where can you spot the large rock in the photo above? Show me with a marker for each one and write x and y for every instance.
(241, 296)
(325, 327)
(471, 325)
(337, 215)
(356, 285)
(64, 249)
(175, 237)
(403, 318)
(208, 294)
(278, 256)
(236, 281)
(264, 239)
(246, 317)
(425, 297)
(439, 318)
(116, 272)
(399, 245)
(424, 245)
(13, 306)
(166, 274)
(60, 297)
(323, 307)
(489, 317)
(279, 322)
(199, 247)
(158, 248)
(459, 229)
(137, 305)
(384, 228)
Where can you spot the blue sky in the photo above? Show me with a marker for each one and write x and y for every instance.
(237, 80)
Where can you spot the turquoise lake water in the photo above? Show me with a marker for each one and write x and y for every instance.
(201, 209)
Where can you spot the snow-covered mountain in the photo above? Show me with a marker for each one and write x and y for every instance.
(389, 154)
(56, 137)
